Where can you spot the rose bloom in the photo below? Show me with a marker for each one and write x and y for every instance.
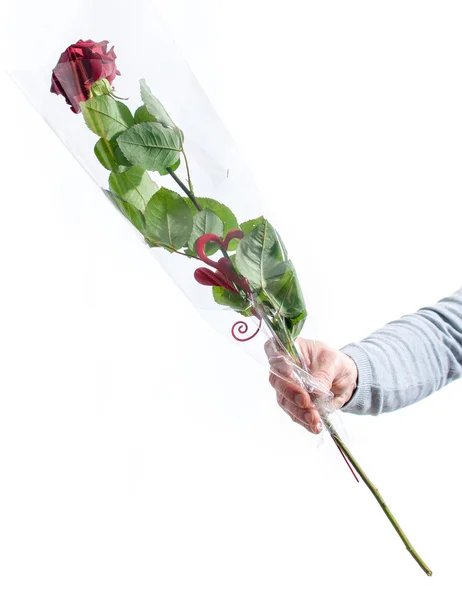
(79, 67)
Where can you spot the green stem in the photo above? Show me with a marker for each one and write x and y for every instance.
(375, 492)
(191, 196)
(187, 171)
(182, 253)
(185, 189)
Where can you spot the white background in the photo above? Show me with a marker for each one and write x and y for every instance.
(144, 456)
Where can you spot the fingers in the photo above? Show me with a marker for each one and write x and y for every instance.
(293, 392)
(282, 377)
(291, 396)
(274, 351)
(270, 348)
(281, 366)
(310, 419)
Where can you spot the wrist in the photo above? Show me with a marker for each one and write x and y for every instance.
(360, 398)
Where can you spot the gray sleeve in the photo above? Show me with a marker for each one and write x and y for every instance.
(408, 359)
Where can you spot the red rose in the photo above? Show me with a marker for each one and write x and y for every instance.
(79, 67)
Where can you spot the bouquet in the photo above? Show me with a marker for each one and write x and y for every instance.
(243, 265)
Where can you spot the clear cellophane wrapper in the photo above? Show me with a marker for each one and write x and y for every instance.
(146, 50)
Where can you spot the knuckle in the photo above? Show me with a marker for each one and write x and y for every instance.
(288, 392)
(279, 365)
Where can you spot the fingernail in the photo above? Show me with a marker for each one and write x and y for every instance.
(299, 400)
(319, 427)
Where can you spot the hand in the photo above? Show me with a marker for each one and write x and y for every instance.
(334, 369)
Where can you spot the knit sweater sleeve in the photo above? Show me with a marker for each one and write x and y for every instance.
(408, 359)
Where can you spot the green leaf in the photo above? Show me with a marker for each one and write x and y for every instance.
(282, 247)
(174, 167)
(248, 226)
(106, 117)
(110, 156)
(189, 253)
(168, 219)
(226, 298)
(232, 258)
(134, 215)
(257, 253)
(262, 258)
(142, 115)
(152, 244)
(295, 326)
(225, 214)
(190, 204)
(205, 221)
(154, 106)
(222, 211)
(283, 289)
(150, 146)
(134, 186)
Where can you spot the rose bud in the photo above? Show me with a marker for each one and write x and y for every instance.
(79, 67)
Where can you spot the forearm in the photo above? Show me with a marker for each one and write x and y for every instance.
(408, 359)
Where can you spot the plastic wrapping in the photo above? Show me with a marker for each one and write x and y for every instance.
(141, 126)
(193, 180)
